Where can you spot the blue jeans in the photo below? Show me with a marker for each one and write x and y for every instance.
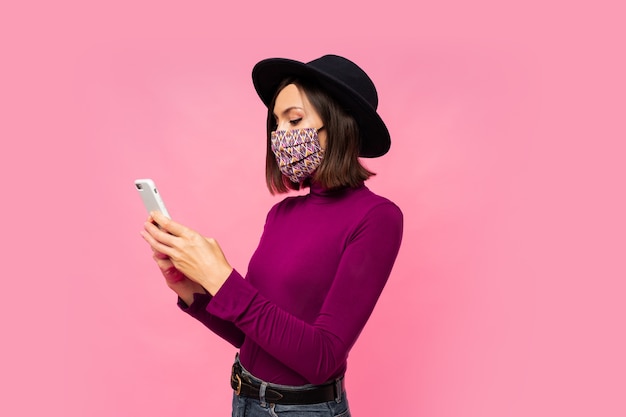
(255, 407)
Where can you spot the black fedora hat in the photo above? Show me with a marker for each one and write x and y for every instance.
(344, 81)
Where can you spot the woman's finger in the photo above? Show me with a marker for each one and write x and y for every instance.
(168, 225)
(169, 271)
(159, 255)
(156, 246)
(162, 263)
(159, 235)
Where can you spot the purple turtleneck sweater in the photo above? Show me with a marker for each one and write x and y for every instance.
(312, 283)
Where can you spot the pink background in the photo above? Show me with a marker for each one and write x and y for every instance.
(507, 159)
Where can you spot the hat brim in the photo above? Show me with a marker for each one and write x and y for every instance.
(269, 73)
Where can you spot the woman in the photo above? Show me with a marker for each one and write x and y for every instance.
(323, 258)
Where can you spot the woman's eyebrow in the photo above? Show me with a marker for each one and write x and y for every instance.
(287, 110)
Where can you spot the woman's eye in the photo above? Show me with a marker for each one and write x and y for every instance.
(295, 121)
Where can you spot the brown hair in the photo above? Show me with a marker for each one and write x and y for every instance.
(340, 166)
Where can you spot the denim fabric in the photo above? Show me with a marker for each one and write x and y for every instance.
(250, 407)
(255, 407)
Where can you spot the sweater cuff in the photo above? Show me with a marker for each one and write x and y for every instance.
(199, 303)
(233, 298)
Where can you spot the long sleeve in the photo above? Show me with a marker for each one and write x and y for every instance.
(225, 329)
(317, 347)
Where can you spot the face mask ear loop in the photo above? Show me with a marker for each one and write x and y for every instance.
(318, 130)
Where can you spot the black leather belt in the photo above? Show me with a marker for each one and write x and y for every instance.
(246, 387)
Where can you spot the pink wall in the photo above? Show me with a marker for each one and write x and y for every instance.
(507, 160)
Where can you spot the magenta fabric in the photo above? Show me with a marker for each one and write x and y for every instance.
(321, 264)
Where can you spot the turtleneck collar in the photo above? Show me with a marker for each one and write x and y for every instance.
(324, 195)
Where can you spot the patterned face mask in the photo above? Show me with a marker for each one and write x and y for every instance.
(298, 152)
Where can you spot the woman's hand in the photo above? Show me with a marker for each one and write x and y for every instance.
(192, 255)
(176, 280)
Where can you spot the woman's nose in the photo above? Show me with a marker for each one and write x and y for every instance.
(283, 126)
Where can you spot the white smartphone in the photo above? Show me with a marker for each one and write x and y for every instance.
(150, 196)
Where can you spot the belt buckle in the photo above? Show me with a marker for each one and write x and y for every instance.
(238, 390)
